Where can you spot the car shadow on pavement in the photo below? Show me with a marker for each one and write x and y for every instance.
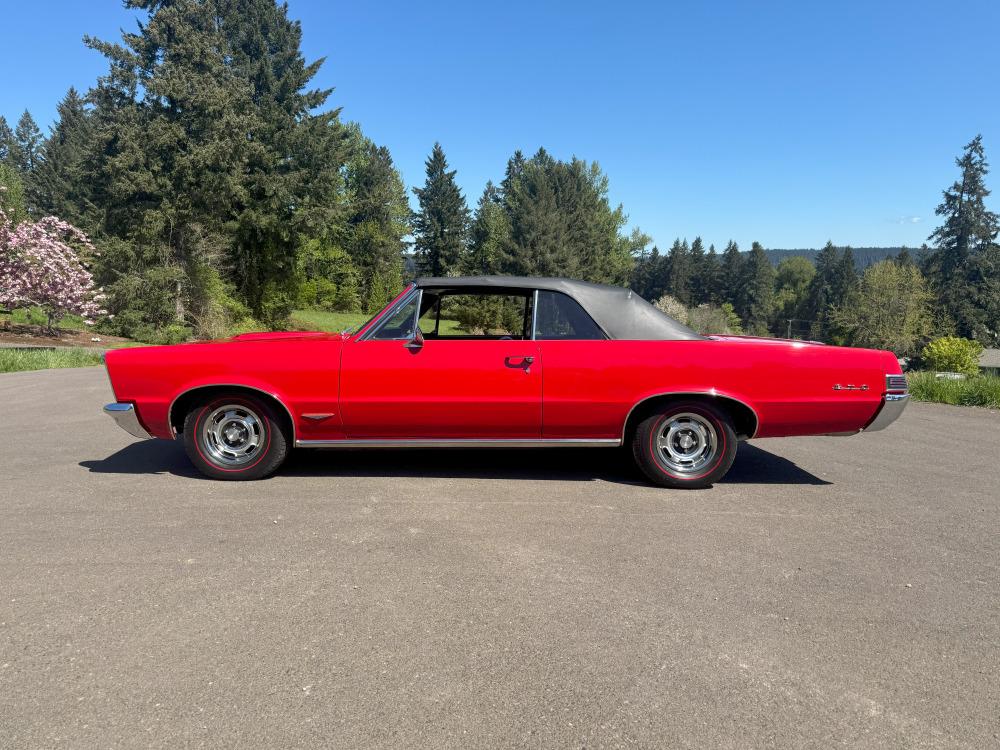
(753, 465)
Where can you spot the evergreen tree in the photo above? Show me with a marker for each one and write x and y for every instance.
(60, 185)
(442, 223)
(490, 234)
(6, 141)
(377, 224)
(792, 278)
(209, 153)
(835, 278)
(963, 266)
(12, 194)
(26, 151)
(679, 272)
(759, 299)
(732, 276)
(711, 277)
(696, 264)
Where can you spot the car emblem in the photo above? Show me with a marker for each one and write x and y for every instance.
(850, 387)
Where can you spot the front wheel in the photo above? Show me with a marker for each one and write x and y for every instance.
(685, 444)
(235, 438)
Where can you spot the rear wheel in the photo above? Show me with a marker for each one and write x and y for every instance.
(235, 438)
(685, 444)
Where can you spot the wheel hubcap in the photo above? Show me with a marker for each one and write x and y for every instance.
(686, 443)
(232, 435)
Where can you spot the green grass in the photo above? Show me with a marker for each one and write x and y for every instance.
(34, 316)
(975, 390)
(323, 320)
(18, 360)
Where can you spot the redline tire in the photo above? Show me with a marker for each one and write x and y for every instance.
(235, 438)
(685, 445)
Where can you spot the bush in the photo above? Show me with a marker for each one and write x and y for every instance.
(978, 390)
(953, 354)
(672, 307)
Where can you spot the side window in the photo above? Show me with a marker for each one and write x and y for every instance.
(455, 315)
(399, 324)
(561, 317)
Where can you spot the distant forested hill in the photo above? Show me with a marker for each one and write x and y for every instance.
(863, 256)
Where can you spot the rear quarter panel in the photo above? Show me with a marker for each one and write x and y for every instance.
(591, 386)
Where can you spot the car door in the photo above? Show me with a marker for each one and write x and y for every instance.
(456, 383)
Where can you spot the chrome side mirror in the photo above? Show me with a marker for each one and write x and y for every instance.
(416, 343)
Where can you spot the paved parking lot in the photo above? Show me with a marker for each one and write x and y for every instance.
(831, 592)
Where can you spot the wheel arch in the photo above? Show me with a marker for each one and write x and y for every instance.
(183, 402)
(745, 420)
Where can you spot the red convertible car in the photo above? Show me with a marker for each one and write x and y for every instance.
(497, 362)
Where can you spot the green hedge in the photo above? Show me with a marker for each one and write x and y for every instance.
(976, 390)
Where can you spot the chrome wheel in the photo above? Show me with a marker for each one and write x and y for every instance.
(232, 435)
(686, 443)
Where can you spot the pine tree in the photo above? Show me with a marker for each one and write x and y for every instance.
(489, 235)
(679, 272)
(6, 141)
(759, 290)
(828, 289)
(441, 225)
(962, 267)
(27, 152)
(711, 277)
(209, 153)
(696, 263)
(60, 185)
(731, 277)
(377, 224)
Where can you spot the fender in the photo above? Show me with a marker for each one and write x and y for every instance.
(214, 384)
(711, 392)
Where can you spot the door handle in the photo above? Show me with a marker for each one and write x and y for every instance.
(519, 363)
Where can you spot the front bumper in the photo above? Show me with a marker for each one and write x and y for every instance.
(892, 406)
(126, 418)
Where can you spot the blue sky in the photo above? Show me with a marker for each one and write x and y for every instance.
(785, 122)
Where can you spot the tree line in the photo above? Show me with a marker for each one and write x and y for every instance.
(221, 191)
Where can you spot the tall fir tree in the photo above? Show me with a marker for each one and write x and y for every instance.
(489, 235)
(211, 152)
(679, 272)
(377, 223)
(964, 266)
(732, 277)
(6, 140)
(711, 277)
(759, 302)
(60, 185)
(696, 264)
(27, 149)
(441, 225)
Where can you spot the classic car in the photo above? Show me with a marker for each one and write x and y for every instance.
(500, 362)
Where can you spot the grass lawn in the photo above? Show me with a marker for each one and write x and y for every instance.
(18, 360)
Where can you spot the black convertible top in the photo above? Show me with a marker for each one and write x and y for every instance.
(622, 313)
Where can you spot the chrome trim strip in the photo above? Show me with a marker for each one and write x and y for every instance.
(126, 418)
(893, 405)
(463, 443)
(534, 314)
(712, 393)
(170, 410)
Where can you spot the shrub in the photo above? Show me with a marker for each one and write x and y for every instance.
(978, 390)
(672, 307)
(953, 354)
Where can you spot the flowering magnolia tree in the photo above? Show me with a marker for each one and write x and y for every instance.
(40, 265)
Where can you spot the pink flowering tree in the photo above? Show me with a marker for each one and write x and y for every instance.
(41, 265)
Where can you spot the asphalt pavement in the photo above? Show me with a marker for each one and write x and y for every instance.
(831, 592)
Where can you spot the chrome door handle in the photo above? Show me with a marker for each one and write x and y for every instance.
(522, 363)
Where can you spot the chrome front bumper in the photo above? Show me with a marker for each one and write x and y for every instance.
(892, 406)
(126, 418)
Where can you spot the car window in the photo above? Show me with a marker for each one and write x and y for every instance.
(561, 317)
(451, 315)
(399, 323)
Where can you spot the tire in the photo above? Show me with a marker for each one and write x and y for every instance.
(685, 445)
(235, 438)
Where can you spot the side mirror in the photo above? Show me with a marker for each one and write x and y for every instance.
(416, 343)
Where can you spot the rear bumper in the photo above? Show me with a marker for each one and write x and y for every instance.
(125, 417)
(893, 405)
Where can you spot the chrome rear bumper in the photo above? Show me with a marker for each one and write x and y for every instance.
(892, 406)
(126, 418)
